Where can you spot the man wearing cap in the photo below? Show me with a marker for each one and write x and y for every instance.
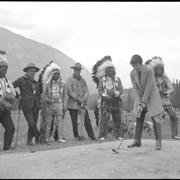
(147, 99)
(78, 92)
(30, 100)
(7, 98)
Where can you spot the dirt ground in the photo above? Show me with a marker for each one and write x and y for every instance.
(95, 161)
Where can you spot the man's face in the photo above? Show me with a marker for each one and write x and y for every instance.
(31, 72)
(56, 76)
(137, 66)
(159, 71)
(110, 71)
(77, 71)
(3, 71)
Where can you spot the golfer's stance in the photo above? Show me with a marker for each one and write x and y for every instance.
(147, 99)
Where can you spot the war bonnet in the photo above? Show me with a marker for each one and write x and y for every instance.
(155, 62)
(99, 69)
(47, 73)
(3, 59)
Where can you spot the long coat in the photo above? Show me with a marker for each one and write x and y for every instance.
(76, 88)
(146, 91)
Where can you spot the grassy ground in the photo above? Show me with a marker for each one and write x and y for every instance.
(21, 143)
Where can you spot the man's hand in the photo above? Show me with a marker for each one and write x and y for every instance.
(140, 108)
(117, 93)
(106, 96)
(80, 100)
(168, 93)
(143, 105)
(48, 101)
(7, 105)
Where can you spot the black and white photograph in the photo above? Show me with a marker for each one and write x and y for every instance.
(89, 90)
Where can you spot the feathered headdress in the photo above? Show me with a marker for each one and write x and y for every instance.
(46, 74)
(155, 62)
(3, 59)
(99, 69)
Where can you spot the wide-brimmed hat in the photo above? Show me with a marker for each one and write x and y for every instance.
(31, 66)
(77, 66)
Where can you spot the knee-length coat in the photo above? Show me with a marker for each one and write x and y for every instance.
(145, 90)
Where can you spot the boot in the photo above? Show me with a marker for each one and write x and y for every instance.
(158, 145)
(174, 128)
(136, 143)
(158, 134)
(138, 134)
(29, 139)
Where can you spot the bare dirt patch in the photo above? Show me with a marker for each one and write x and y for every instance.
(96, 161)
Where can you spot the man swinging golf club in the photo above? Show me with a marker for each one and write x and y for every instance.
(147, 99)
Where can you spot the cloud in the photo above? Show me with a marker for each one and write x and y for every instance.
(15, 19)
(87, 31)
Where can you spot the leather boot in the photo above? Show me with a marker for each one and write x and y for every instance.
(158, 134)
(136, 143)
(138, 134)
(158, 145)
(174, 128)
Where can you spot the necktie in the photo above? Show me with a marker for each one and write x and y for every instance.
(139, 75)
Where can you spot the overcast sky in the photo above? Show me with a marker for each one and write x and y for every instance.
(88, 31)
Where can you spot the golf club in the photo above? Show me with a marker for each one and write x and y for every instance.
(117, 149)
(138, 116)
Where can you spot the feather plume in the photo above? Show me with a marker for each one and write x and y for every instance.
(99, 69)
(155, 62)
(46, 74)
(3, 56)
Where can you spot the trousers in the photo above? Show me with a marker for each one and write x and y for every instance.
(32, 118)
(87, 123)
(7, 123)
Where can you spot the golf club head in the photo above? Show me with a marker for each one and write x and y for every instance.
(115, 150)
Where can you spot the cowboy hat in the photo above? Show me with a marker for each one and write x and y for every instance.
(77, 66)
(31, 66)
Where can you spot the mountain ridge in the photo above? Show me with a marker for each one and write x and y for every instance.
(21, 50)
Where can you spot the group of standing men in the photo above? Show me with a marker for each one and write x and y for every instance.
(50, 97)
(54, 97)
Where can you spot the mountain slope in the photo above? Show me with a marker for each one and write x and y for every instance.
(21, 51)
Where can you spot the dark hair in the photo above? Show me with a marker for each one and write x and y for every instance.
(136, 59)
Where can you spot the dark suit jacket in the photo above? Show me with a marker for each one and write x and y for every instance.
(27, 96)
